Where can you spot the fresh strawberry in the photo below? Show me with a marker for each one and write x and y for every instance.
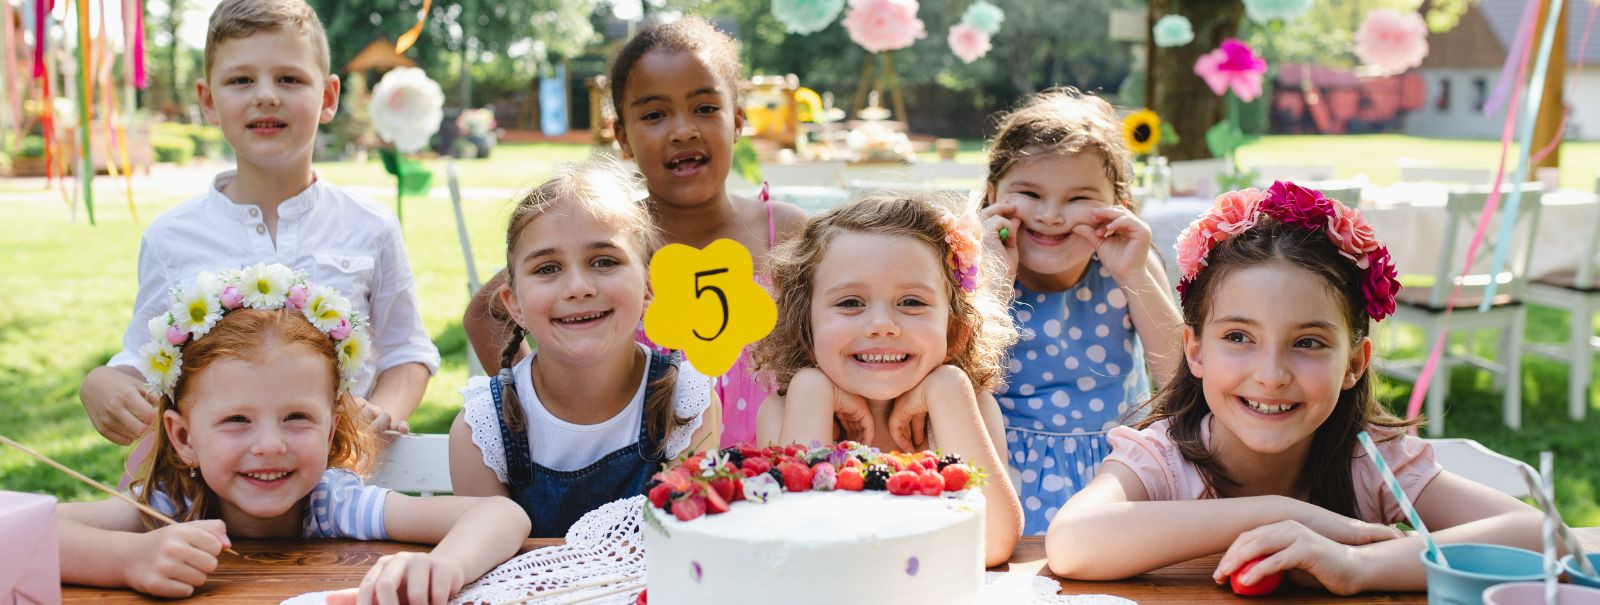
(851, 462)
(903, 483)
(693, 463)
(850, 479)
(757, 465)
(689, 509)
(724, 488)
(930, 483)
(715, 503)
(796, 476)
(660, 494)
(955, 477)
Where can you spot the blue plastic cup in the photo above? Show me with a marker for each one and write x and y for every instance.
(1570, 564)
(1476, 567)
(1532, 593)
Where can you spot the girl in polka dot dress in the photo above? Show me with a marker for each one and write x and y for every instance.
(1091, 297)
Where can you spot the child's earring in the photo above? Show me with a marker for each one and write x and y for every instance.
(191, 472)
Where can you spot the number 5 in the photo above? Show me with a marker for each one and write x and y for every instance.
(721, 297)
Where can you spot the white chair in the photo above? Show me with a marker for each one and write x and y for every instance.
(1347, 191)
(1296, 173)
(415, 463)
(1425, 306)
(863, 189)
(1412, 171)
(814, 174)
(1472, 460)
(1197, 176)
(1578, 293)
(964, 173)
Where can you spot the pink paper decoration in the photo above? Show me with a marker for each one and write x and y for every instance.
(1392, 41)
(968, 43)
(1232, 66)
(880, 25)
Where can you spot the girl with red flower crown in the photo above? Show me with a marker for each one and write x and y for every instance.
(1251, 449)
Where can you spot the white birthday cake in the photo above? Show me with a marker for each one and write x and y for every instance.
(835, 524)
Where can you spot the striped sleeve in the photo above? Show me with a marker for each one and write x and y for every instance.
(341, 506)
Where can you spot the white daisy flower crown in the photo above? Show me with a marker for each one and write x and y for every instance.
(198, 305)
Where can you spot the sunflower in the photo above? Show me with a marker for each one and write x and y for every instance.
(1142, 130)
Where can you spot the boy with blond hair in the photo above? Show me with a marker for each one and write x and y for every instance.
(267, 85)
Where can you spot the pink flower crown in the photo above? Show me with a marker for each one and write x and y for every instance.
(197, 306)
(961, 233)
(1288, 203)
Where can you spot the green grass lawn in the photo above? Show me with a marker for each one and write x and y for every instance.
(68, 289)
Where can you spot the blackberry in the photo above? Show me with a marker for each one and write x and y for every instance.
(877, 477)
(949, 459)
(650, 485)
(776, 476)
(734, 456)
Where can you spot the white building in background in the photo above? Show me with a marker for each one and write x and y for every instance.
(1464, 64)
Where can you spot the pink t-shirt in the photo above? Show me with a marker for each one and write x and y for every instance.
(1167, 475)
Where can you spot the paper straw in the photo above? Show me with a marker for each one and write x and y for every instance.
(1546, 459)
(1547, 504)
(1400, 497)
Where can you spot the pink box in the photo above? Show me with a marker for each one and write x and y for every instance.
(30, 564)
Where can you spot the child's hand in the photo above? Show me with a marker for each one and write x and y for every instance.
(117, 404)
(999, 216)
(1287, 546)
(411, 577)
(380, 418)
(174, 560)
(1344, 530)
(1121, 239)
(908, 421)
(808, 391)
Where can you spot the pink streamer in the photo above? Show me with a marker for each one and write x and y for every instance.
(41, 13)
(1419, 390)
(1502, 86)
(140, 79)
(1566, 112)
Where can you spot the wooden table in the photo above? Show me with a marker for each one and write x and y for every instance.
(268, 571)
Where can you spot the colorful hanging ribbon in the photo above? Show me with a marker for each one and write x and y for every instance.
(410, 37)
(1577, 76)
(85, 94)
(13, 109)
(1514, 58)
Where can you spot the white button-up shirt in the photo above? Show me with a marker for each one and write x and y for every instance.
(338, 240)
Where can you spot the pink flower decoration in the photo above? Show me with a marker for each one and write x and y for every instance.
(1232, 66)
(297, 296)
(341, 331)
(968, 43)
(880, 25)
(1392, 41)
(1350, 232)
(231, 298)
(964, 248)
(1193, 246)
(1381, 285)
(176, 335)
(1237, 210)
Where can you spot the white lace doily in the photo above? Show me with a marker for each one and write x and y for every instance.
(608, 542)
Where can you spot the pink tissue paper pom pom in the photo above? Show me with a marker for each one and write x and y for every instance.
(1392, 41)
(880, 25)
(968, 43)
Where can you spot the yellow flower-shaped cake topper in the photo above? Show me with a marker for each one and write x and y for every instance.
(707, 303)
(1142, 131)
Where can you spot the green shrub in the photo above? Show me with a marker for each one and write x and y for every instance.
(207, 140)
(172, 148)
(32, 147)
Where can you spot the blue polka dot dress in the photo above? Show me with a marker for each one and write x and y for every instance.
(1076, 372)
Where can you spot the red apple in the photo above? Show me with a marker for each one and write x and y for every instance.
(1262, 587)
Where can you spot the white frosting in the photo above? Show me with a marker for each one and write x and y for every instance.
(821, 547)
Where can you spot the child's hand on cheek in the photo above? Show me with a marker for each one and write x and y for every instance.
(809, 391)
(174, 560)
(908, 421)
(1288, 546)
(1002, 215)
(410, 577)
(1121, 239)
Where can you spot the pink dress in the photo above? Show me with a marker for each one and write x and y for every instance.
(1167, 475)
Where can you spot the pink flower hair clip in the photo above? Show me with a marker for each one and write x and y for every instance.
(1235, 212)
(961, 234)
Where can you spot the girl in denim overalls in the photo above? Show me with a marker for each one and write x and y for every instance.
(591, 414)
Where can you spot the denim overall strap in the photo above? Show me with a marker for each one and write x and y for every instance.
(515, 445)
(555, 499)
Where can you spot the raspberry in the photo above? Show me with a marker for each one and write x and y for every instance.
(903, 483)
(930, 483)
(928, 463)
(660, 494)
(956, 476)
(948, 460)
(877, 477)
(642, 600)
(796, 476)
(689, 509)
(850, 480)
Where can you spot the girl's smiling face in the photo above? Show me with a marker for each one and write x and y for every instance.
(259, 431)
(679, 121)
(1273, 355)
(880, 313)
(1054, 194)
